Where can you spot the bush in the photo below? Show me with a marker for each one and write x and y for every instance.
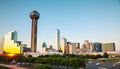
(1, 67)
(42, 66)
(76, 63)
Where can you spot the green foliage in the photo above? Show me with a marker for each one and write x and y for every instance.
(105, 55)
(29, 55)
(93, 57)
(99, 56)
(76, 63)
(64, 62)
(42, 66)
(88, 56)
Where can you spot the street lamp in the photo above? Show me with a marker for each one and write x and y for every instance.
(67, 60)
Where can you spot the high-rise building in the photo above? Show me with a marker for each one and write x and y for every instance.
(97, 47)
(67, 48)
(70, 49)
(86, 46)
(34, 15)
(86, 42)
(91, 47)
(57, 39)
(108, 47)
(10, 44)
(63, 44)
(75, 47)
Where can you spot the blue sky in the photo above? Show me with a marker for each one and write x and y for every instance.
(78, 20)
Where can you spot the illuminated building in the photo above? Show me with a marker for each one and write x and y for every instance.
(34, 15)
(108, 47)
(10, 44)
(1, 46)
(70, 49)
(63, 44)
(57, 39)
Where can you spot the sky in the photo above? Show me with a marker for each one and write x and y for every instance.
(78, 20)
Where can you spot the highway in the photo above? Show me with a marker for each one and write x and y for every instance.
(12, 66)
(103, 65)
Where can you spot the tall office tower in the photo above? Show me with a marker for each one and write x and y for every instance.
(63, 44)
(10, 44)
(97, 47)
(108, 47)
(34, 15)
(57, 39)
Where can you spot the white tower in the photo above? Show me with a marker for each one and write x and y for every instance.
(57, 39)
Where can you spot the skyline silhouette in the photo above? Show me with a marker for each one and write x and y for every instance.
(96, 21)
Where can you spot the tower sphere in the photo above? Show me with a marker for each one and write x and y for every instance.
(34, 14)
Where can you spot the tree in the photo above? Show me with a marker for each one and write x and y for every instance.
(87, 56)
(20, 59)
(30, 56)
(99, 56)
(105, 55)
(76, 63)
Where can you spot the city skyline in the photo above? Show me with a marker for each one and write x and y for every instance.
(77, 20)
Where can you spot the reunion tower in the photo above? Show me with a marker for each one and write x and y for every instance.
(34, 15)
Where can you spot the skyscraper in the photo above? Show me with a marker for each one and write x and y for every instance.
(63, 44)
(10, 44)
(34, 15)
(57, 39)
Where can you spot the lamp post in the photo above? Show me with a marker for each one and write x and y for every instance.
(67, 60)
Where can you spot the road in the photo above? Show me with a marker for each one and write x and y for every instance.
(12, 66)
(104, 65)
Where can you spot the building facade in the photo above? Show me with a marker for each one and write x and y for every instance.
(10, 44)
(67, 50)
(108, 47)
(97, 47)
(57, 39)
(75, 47)
(1, 46)
(63, 44)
